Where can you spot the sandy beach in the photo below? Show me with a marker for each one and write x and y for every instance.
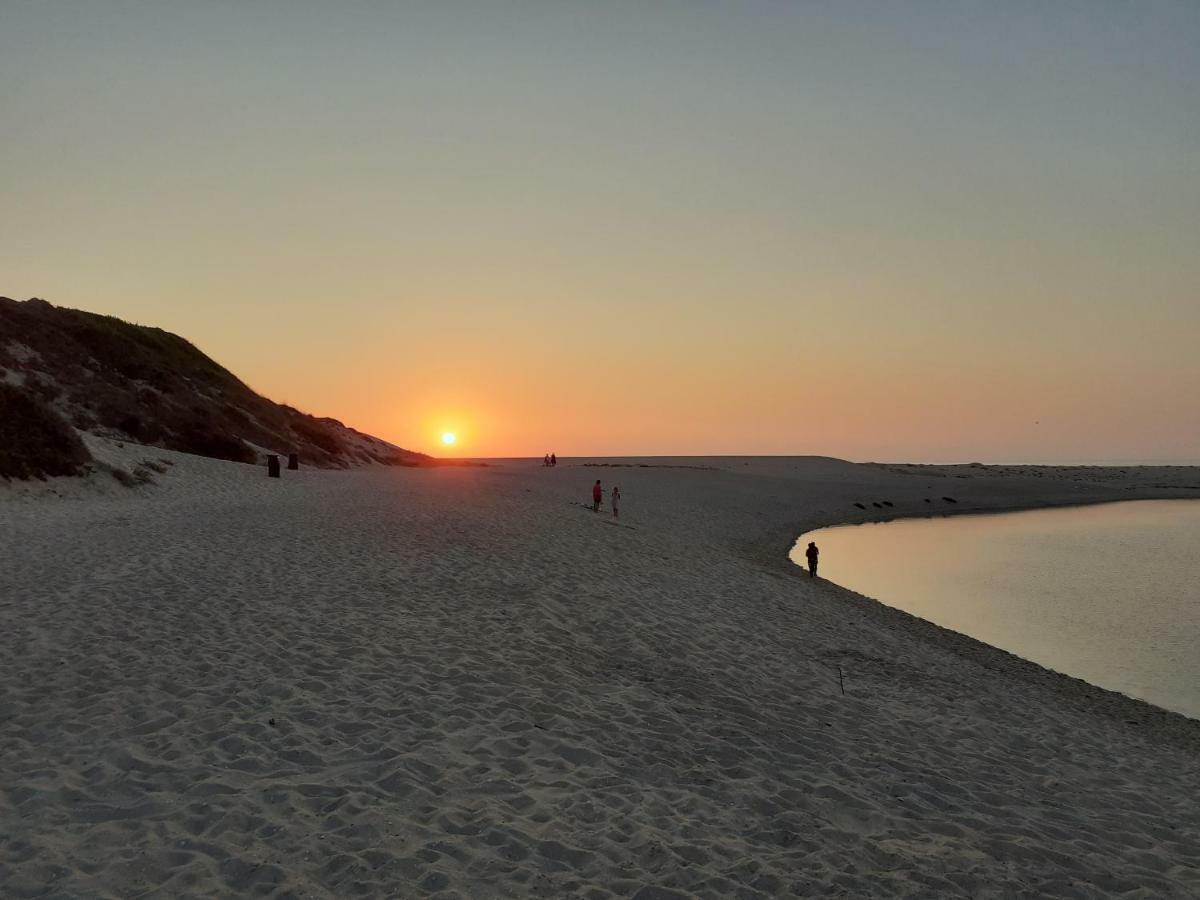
(460, 682)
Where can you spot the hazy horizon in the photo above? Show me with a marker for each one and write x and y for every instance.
(909, 232)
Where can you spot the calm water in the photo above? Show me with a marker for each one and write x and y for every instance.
(1109, 594)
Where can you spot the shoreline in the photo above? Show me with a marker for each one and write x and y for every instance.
(1181, 730)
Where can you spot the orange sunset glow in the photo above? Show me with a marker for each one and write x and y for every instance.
(738, 240)
(639, 450)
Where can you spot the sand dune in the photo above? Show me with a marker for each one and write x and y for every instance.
(461, 683)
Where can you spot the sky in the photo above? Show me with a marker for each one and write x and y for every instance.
(894, 231)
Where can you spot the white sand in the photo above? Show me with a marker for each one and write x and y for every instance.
(481, 689)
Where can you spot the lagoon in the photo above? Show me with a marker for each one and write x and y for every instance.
(1108, 593)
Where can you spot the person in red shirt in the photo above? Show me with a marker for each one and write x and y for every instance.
(597, 496)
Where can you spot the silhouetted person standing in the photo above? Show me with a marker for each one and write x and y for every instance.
(812, 553)
(546, 460)
(616, 499)
(553, 460)
(597, 496)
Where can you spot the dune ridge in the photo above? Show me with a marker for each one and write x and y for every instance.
(118, 380)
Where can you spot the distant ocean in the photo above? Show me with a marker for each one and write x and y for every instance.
(1107, 593)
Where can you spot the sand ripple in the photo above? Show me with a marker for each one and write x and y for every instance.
(460, 683)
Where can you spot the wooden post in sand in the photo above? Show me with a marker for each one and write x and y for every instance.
(293, 461)
(272, 466)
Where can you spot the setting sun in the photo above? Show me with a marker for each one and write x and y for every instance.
(714, 296)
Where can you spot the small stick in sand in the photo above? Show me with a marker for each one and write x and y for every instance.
(841, 683)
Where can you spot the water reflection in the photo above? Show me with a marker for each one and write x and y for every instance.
(1106, 593)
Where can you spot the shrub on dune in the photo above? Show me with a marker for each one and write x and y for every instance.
(35, 442)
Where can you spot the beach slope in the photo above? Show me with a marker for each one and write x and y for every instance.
(462, 682)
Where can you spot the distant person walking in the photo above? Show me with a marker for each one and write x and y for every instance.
(616, 500)
(546, 460)
(553, 460)
(597, 496)
(812, 553)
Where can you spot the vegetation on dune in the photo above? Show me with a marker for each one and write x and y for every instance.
(135, 382)
(35, 442)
